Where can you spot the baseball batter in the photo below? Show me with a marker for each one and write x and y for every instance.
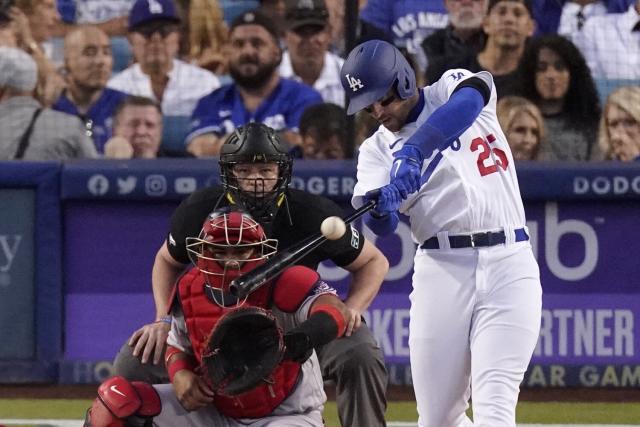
(441, 158)
(230, 244)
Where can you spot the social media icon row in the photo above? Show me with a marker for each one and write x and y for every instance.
(154, 185)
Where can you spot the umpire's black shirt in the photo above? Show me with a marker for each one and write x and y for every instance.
(307, 212)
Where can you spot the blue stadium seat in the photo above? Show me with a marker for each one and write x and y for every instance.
(174, 130)
(233, 8)
(606, 86)
(121, 51)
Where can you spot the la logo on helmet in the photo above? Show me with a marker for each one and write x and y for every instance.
(354, 83)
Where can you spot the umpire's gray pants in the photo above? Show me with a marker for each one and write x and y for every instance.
(355, 364)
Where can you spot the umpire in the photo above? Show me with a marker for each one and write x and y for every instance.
(255, 171)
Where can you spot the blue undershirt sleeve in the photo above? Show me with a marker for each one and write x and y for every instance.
(448, 121)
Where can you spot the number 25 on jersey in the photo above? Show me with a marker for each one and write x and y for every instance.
(488, 164)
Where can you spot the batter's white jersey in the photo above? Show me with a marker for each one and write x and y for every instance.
(463, 184)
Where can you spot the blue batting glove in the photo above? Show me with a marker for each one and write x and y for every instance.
(406, 169)
(388, 200)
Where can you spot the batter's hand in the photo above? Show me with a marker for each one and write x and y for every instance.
(388, 199)
(151, 338)
(406, 169)
(192, 391)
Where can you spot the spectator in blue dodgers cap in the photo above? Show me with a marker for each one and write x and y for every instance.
(157, 74)
(27, 130)
(146, 11)
(258, 93)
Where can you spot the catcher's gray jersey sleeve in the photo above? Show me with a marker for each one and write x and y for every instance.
(178, 335)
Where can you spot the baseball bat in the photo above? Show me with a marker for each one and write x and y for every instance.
(253, 279)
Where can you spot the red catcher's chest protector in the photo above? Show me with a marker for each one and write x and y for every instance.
(200, 316)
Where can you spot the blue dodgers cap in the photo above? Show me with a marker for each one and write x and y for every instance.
(370, 70)
(144, 11)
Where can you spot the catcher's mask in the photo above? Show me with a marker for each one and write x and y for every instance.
(230, 244)
(255, 143)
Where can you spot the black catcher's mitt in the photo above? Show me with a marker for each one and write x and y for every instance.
(244, 347)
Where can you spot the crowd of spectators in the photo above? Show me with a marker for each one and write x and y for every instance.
(108, 74)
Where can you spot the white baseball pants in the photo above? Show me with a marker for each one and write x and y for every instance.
(474, 323)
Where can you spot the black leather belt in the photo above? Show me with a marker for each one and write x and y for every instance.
(476, 240)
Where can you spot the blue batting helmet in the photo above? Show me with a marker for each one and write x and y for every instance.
(369, 72)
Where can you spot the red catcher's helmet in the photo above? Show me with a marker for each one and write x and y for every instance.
(230, 244)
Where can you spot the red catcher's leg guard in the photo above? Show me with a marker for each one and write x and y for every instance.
(119, 396)
(151, 404)
(120, 400)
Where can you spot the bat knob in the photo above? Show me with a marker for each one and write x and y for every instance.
(235, 287)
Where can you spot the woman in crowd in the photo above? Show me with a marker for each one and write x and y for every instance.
(619, 135)
(31, 23)
(556, 78)
(523, 126)
(208, 35)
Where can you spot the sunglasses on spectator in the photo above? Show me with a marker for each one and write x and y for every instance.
(383, 102)
(308, 30)
(161, 27)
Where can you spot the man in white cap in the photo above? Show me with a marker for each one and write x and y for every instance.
(27, 130)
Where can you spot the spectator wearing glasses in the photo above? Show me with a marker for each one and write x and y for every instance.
(87, 65)
(619, 135)
(154, 37)
(307, 57)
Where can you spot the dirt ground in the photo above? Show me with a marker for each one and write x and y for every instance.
(394, 393)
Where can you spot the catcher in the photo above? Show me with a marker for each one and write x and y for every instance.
(227, 359)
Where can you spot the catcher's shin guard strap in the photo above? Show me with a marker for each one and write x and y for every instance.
(151, 403)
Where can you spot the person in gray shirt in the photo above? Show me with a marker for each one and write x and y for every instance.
(27, 130)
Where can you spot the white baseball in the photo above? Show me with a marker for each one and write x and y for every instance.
(333, 228)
